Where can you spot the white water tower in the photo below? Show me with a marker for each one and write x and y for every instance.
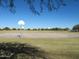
(21, 23)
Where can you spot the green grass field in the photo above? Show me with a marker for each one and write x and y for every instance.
(57, 48)
(65, 48)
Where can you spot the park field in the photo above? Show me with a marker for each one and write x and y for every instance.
(38, 34)
(66, 47)
(57, 48)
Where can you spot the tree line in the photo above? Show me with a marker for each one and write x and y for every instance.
(36, 29)
(75, 28)
(49, 29)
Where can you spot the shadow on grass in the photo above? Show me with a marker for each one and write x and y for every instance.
(27, 51)
(21, 51)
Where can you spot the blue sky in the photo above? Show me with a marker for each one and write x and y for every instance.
(66, 16)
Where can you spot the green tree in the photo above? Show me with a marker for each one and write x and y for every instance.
(13, 28)
(6, 28)
(0, 29)
(50, 5)
(28, 29)
(66, 29)
(75, 28)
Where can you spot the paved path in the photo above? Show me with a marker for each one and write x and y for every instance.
(40, 35)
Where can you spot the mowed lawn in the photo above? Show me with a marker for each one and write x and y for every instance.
(57, 48)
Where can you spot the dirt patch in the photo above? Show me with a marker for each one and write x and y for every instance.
(40, 35)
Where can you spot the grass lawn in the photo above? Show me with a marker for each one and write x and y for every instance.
(58, 48)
